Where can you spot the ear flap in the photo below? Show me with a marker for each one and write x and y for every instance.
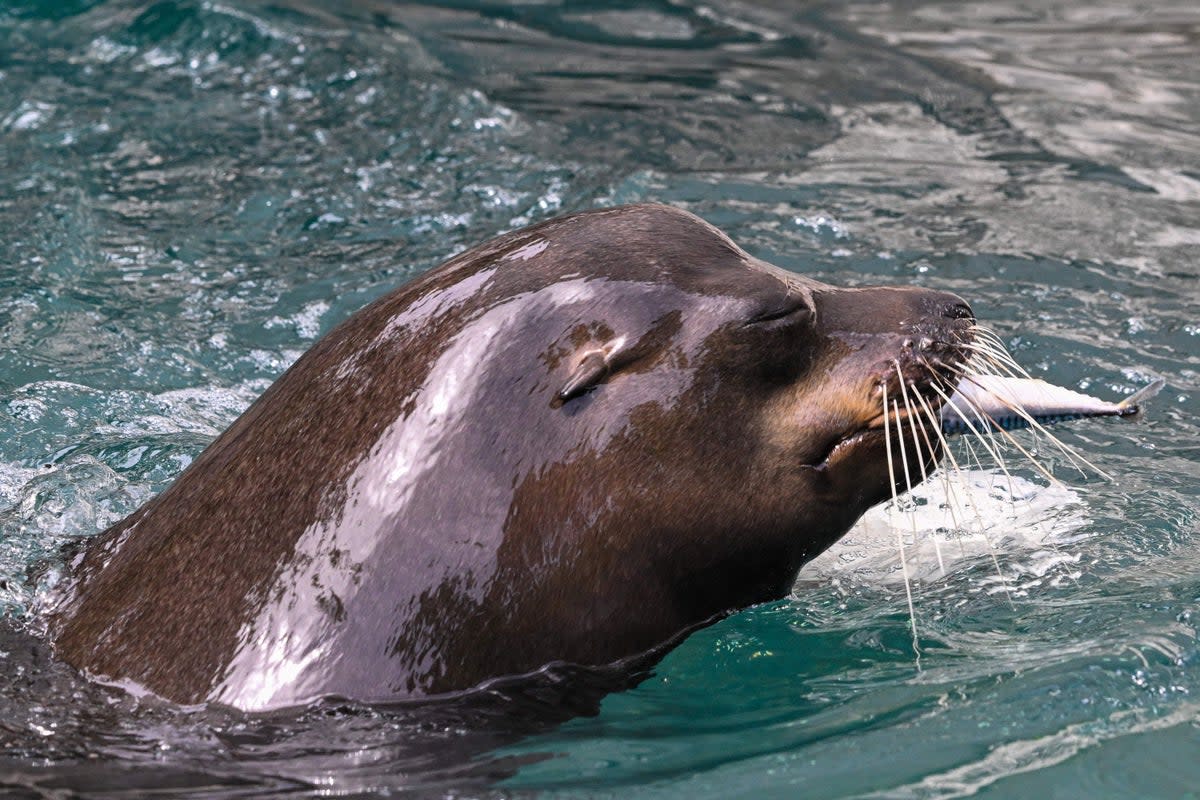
(592, 368)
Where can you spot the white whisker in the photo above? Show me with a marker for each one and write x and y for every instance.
(979, 437)
(912, 614)
(933, 417)
(1072, 455)
(986, 337)
(937, 548)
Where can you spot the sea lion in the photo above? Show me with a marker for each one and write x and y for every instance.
(567, 445)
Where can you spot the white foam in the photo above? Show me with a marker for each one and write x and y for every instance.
(983, 512)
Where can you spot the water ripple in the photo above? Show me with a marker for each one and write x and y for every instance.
(195, 190)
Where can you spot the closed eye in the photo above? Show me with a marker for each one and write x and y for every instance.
(792, 307)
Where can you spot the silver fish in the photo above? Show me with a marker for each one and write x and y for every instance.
(981, 401)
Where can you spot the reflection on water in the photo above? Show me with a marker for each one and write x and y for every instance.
(194, 191)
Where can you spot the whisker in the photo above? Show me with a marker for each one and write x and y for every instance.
(912, 614)
(947, 486)
(973, 455)
(953, 500)
(980, 437)
(937, 548)
(999, 460)
(1004, 468)
(1072, 455)
(984, 354)
(986, 362)
(988, 426)
(933, 418)
(998, 356)
(912, 516)
(993, 448)
(983, 335)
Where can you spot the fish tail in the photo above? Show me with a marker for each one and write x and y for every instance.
(1132, 406)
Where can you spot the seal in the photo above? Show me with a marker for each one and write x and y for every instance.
(569, 445)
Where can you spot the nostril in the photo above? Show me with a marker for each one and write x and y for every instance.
(959, 310)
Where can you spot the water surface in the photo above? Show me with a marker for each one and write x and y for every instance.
(194, 191)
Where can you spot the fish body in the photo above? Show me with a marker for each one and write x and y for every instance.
(983, 401)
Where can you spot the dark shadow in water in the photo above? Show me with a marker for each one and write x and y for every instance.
(60, 734)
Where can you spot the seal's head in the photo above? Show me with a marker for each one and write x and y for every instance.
(733, 411)
(569, 444)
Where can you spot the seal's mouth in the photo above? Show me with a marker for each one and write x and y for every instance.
(901, 417)
(908, 395)
(910, 403)
(912, 422)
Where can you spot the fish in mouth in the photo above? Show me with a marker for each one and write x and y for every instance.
(972, 385)
(1013, 403)
(975, 390)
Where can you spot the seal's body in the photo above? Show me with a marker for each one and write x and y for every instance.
(566, 445)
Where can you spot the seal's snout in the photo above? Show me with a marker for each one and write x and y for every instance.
(941, 326)
(933, 305)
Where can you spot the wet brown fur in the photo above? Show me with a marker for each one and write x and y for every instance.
(699, 467)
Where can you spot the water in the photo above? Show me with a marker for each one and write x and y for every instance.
(194, 191)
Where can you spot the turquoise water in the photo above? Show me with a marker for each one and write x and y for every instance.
(194, 191)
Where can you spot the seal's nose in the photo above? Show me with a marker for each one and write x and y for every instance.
(944, 305)
(958, 309)
(934, 305)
